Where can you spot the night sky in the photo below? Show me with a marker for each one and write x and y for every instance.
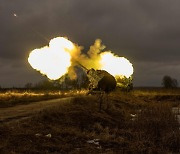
(147, 32)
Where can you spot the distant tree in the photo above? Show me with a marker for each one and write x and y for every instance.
(45, 84)
(28, 85)
(169, 82)
(70, 83)
(125, 83)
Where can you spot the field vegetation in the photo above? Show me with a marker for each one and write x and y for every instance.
(140, 121)
(12, 97)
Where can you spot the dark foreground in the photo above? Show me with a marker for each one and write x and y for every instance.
(137, 122)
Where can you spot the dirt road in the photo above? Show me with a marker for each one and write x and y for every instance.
(25, 111)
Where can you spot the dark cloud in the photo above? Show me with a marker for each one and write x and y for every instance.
(146, 32)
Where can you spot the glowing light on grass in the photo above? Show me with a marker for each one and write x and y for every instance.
(53, 60)
(117, 66)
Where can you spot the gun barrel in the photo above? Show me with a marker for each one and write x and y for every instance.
(81, 65)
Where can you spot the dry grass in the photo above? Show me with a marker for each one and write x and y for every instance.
(14, 97)
(130, 124)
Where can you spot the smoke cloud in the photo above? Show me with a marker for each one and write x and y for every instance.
(61, 57)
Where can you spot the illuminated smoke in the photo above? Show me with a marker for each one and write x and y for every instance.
(53, 60)
(97, 58)
(62, 55)
(116, 66)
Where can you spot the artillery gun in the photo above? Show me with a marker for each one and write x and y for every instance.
(100, 80)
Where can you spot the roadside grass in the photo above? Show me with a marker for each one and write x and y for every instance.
(16, 97)
(126, 124)
(158, 94)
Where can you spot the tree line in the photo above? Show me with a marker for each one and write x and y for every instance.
(169, 82)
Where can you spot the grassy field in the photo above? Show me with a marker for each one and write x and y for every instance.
(137, 122)
(10, 98)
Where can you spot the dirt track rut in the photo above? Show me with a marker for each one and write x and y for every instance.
(25, 111)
